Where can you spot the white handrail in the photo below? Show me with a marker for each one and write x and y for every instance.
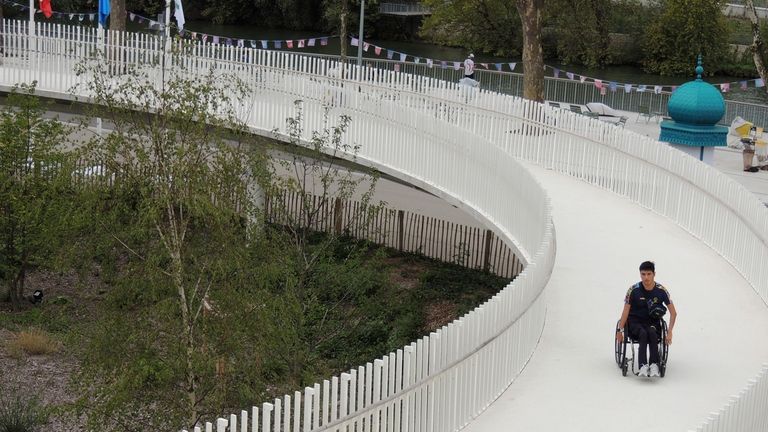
(457, 143)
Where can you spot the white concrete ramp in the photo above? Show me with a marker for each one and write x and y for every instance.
(572, 382)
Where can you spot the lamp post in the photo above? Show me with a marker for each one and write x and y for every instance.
(360, 34)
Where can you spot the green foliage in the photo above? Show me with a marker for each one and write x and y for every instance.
(581, 30)
(685, 29)
(491, 26)
(36, 189)
(19, 413)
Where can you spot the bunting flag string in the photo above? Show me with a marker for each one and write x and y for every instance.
(204, 37)
(602, 86)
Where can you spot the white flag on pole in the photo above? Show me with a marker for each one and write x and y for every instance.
(178, 13)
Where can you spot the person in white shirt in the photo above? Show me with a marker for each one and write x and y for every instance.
(469, 67)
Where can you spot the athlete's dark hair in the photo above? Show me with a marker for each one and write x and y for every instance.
(648, 265)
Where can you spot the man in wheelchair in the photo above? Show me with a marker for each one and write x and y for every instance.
(642, 316)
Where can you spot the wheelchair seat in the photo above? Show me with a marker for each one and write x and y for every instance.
(625, 362)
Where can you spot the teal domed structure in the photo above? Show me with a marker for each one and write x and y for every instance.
(695, 108)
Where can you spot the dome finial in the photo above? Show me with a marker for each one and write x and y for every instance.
(699, 68)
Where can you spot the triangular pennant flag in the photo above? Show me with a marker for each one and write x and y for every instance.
(498, 66)
(429, 63)
(556, 73)
(355, 41)
(511, 66)
(253, 44)
(390, 54)
(612, 86)
(416, 60)
(627, 88)
(403, 57)
(724, 87)
(377, 50)
(264, 44)
(131, 16)
(569, 75)
(657, 89)
(599, 84)
(311, 42)
(194, 35)
(641, 88)
(456, 65)
(485, 65)
(73, 15)
(241, 43)
(397, 67)
(366, 45)
(216, 40)
(228, 41)
(205, 37)
(81, 17)
(91, 17)
(603, 90)
(324, 41)
(582, 78)
(443, 64)
(759, 83)
(289, 44)
(301, 43)
(278, 44)
(743, 85)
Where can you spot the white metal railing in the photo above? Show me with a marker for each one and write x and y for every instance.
(442, 380)
(457, 143)
(404, 8)
(744, 412)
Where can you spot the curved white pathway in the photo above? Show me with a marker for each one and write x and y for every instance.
(572, 382)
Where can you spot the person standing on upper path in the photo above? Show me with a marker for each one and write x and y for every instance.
(643, 308)
(469, 67)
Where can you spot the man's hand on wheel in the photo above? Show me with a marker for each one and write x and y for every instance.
(669, 337)
(619, 336)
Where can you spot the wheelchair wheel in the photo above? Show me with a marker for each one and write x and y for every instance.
(663, 349)
(621, 353)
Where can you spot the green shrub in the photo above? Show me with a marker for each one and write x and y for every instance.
(19, 413)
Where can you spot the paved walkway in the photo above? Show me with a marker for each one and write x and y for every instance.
(572, 382)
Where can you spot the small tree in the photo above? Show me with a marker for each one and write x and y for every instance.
(178, 214)
(686, 28)
(307, 191)
(35, 189)
(758, 44)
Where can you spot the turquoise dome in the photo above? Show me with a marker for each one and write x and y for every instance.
(696, 102)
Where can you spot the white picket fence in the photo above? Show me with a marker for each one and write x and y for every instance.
(462, 145)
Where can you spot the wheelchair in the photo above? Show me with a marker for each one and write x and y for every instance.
(625, 363)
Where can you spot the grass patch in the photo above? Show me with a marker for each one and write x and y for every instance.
(32, 342)
(19, 413)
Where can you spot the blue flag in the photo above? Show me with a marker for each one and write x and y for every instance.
(103, 12)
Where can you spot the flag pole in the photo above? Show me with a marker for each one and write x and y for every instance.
(100, 44)
(32, 41)
(360, 34)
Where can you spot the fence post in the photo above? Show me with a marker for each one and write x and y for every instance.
(337, 215)
(487, 250)
(400, 233)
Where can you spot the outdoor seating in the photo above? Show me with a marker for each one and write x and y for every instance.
(645, 111)
(554, 104)
(577, 109)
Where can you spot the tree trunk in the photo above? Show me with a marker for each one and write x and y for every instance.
(343, 16)
(533, 55)
(758, 48)
(17, 289)
(117, 15)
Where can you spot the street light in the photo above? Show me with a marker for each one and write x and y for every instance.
(360, 34)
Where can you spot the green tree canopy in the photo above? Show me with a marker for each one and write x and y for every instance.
(684, 29)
